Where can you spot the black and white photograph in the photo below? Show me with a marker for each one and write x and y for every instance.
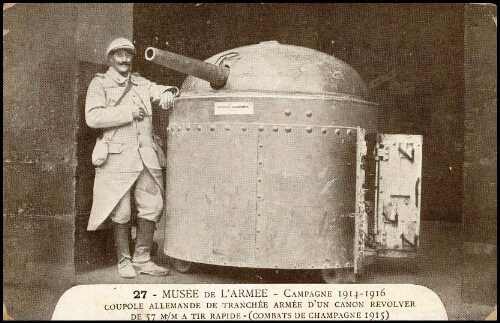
(302, 153)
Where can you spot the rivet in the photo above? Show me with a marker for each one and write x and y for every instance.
(179, 128)
(288, 112)
(309, 113)
(259, 214)
(309, 129)
(188, 128)
(227, 128)
(396, 246)
(275, 128)
(261, 128)
(244, 128)
(258, 231)
(212, 128)
(173, 128)
(349, 132)
(261, 145)
(294, 266)
(337, 131)
(260, 162)
(312, 266)
(323, 130)
(198, 128)
(260, 179)
(258, 196)
(288, 129)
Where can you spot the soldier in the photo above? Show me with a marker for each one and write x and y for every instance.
(127, 156)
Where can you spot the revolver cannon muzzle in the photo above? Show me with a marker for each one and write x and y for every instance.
(216, 75)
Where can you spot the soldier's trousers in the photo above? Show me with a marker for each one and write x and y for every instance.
(148, 199)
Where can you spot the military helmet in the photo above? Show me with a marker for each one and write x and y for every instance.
(120, 43)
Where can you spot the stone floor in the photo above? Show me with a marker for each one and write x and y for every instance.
(466, 285)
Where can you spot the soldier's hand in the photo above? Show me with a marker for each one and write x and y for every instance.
(139, 114)
(167, 100)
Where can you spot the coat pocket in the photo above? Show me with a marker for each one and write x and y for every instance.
(100, 152)
(115, 147)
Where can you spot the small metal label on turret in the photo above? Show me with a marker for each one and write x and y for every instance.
(233, 108)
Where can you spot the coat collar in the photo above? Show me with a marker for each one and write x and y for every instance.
(115, 76)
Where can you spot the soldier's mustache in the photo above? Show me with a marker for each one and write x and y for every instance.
(124, 64)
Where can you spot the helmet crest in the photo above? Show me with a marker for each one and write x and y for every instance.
(120, 43)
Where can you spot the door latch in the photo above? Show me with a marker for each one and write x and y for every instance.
(405, 154)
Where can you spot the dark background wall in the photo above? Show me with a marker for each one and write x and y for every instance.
(430, 67)
(50, 54)
(480, 163)
(39, 160)
(411, 56)
(39, 127)
(479, 274)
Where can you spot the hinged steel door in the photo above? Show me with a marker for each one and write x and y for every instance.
(360, 216)
(388, 196)
(398, 194)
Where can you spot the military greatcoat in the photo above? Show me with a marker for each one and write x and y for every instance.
(130, 142)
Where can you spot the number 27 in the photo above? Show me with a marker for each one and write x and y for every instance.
(138, 293)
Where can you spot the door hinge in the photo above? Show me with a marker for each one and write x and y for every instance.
(381, 152)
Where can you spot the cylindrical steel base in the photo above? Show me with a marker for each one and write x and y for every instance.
(274, 188)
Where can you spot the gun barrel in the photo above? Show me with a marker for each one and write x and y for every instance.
(216, 75)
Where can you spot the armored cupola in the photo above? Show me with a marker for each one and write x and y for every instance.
(273, 67)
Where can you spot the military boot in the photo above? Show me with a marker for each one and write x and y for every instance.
(122, 235)
(142, 255)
